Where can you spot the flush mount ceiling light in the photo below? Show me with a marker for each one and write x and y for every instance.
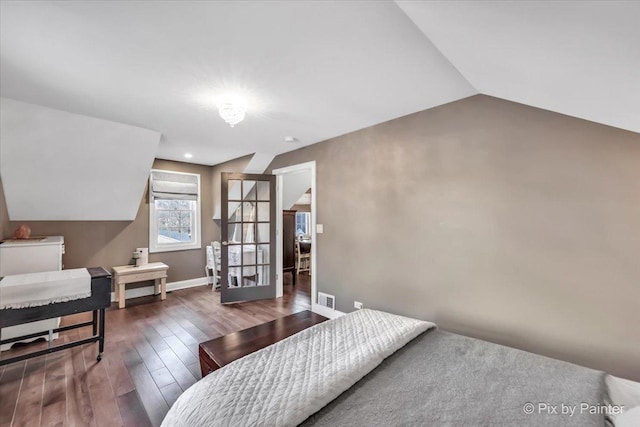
(232, 108)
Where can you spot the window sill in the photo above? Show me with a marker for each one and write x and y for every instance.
(175, 248)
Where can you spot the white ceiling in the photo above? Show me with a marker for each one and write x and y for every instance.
(580, 58)
(314, 70)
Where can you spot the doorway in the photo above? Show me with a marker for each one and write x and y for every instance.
(292, 183)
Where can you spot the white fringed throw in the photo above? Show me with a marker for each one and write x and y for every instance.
(36, 289)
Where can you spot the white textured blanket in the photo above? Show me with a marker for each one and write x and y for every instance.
(35, 289)
(285, 383)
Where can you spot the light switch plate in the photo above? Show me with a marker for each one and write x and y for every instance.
(319, 228)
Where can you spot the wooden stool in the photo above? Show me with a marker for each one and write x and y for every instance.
(156, 271)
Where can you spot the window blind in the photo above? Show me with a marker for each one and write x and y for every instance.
(173, 186)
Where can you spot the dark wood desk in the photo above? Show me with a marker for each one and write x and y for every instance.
(98, 302)
(218, 352)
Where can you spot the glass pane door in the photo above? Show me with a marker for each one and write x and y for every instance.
(248, 237)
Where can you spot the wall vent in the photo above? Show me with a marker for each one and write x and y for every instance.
(327, 300)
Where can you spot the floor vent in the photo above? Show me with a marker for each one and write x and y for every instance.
(327, 300)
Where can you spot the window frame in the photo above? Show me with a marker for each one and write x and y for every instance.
(307, 222)
(196, 243)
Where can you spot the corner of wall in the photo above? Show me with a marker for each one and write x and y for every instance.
(4, 215)
(235, 165)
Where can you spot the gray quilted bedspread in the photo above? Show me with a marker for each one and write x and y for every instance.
(444, 379)
(281, 385)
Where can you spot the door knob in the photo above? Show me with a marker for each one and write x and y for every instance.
(225, 243)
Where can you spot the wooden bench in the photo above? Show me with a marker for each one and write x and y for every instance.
(156, 271)
(218, 352)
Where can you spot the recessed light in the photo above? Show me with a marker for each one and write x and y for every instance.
(290, 139)
(188, 155)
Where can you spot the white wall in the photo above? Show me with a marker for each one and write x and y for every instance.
(295, 185)
(57, 165)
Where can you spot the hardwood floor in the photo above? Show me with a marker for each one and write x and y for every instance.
(150, 358)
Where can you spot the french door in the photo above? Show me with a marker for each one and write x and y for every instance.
(248, 234)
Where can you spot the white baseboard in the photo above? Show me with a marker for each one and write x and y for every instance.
(325, 311)
(200, 281)
(173, 286)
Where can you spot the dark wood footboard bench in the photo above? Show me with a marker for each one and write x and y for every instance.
(218, 352)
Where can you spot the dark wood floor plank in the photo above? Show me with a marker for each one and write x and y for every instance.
(162, 377)
(188, 326)
(10, 390)
(227, 315)
(223, 325)
(124, 388)
(172, 325)
(180, 372)
(79, 406)
(103, 400)
(29, 405)
(162, 329)
(54, 399)
(154, 338)
(184, 354)
(119, 377)
(177, 330)
(193, 348)
(149, 393)
(171, 393)
(194, 368)
(148, 354)
(131, 411)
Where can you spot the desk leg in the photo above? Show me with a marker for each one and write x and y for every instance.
(121, 295)
(156, 286)
(101, 334)
(95, 322)
(163, 285)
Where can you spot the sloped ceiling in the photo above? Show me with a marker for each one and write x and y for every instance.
(294, 186)
(61, 166)
(580, 58)
(311, 69)
(314, 69)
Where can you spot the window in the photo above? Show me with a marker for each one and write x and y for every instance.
(303, 221)
(174, 211)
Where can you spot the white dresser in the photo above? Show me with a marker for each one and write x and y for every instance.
(31, 256)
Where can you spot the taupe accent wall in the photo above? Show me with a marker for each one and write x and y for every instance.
(493, 219)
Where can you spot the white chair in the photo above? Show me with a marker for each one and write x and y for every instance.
(303, 259)
(213, 265)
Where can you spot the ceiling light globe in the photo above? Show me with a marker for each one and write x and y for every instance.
(232, 109)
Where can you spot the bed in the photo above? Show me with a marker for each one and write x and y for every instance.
(371, 368)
